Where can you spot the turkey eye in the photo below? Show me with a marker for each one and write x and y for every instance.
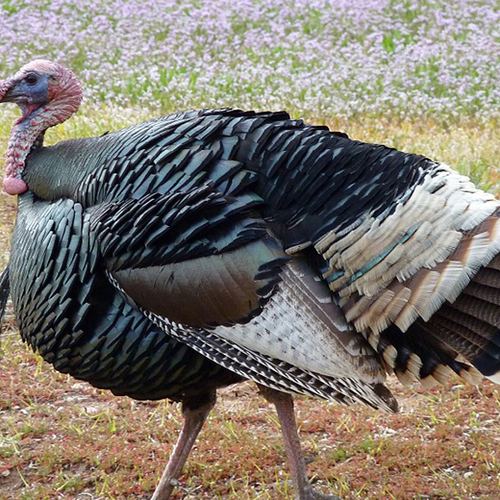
(31, 79)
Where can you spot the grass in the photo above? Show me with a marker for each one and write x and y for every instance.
(62, 439)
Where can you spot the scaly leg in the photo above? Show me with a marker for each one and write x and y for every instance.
(195, 416)
(284, 407)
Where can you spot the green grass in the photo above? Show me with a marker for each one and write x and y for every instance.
(62, 439)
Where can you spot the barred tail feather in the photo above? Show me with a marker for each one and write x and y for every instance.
(462, 337)
(420, 355)
(471, 324)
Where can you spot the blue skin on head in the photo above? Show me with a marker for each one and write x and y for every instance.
(29, 93)
(35, 87)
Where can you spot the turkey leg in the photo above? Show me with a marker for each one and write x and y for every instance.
(195, 416)
(284, 408)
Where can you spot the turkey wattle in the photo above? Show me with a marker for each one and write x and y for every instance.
(241, 245)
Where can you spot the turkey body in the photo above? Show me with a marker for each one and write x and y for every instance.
(186, 210)
(193, 251)
(196, 224)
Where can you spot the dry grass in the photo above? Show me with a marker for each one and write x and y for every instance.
(62, 439)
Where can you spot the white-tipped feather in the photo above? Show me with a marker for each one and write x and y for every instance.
(323, 245)
(357, 309)
(371, 315)
(332, 241)
(418, 299)
(392, 310)
(442, 373)
(471, 376)
(414, 365)
(406, 378)
(477, 213)
(390, 354)
(298, 248)
(428, 382)
(373, 340)
(424, 231)
(431, 255)
(451, 278)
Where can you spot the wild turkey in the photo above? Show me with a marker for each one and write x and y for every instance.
(198, 249)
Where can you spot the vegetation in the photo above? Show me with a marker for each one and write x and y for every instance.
(322, 59)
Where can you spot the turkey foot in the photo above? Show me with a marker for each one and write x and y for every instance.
(284, 408)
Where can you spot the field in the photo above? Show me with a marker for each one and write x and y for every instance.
(418, 76)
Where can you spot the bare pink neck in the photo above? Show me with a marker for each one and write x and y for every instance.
(24, 136)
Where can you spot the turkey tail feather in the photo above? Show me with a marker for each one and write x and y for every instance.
(471, 324)
(458, 333)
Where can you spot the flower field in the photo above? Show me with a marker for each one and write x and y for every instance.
(322, 59)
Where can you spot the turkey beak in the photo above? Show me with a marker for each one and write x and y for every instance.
(10, 92)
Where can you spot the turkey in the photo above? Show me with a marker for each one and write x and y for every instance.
(199, 249)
